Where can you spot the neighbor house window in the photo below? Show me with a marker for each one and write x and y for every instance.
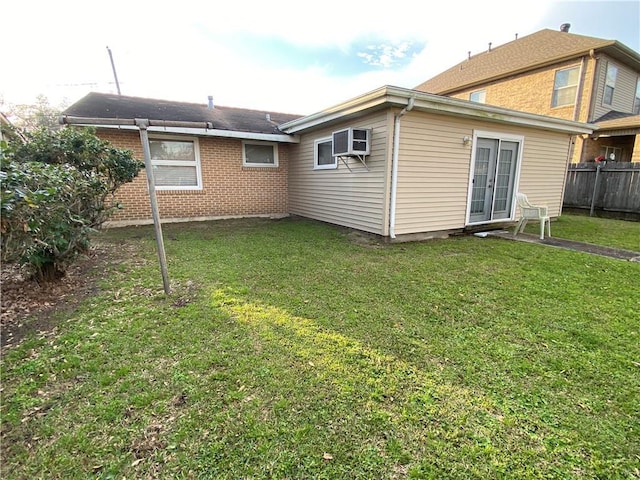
(565, 87)
(322, 158)
(259, 154)
(636, 101)
(610, 84)
(479, 96)
(611, 153)
(176, 163)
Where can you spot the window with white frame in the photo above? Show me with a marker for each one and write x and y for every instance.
(565, 87)
(176, 163)
(478, 96)
(636, 100)
(610, 84)
(322, 154)
(259, 154)
(611, 153)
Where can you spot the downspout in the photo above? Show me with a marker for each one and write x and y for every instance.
(576, 113)
(595, 86)
(394, 167)
(578, 104)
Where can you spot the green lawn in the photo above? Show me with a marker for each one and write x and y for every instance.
(289, 350)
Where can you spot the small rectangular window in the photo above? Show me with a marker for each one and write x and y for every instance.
(611, 153)
(259, 154)
(565, 87)
(479, 96)
(322, 154)
(176, 164)
(636, 100)
(610, 84)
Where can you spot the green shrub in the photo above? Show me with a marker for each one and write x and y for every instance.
(56, 189)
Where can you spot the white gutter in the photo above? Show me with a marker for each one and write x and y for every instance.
(394, 166)
(165, 126)
(207, 132)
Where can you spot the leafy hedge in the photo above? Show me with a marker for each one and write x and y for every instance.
(56, 189)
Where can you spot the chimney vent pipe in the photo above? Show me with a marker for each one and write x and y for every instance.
(210, 97)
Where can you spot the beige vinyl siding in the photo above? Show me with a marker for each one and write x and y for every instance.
(624, 92)
(434, 170)
(433, 173)
(357, 199)
(543, 169)
(625, 89)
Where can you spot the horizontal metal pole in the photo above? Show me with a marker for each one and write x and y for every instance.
(72, 120)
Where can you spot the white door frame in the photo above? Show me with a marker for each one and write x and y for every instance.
(500, 136)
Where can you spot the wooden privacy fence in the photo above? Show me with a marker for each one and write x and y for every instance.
(604, 186)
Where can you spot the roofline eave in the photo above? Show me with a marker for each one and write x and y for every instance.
(511, 73)
(396, 96)
(614, 46)
(203, 132)
(201, 129)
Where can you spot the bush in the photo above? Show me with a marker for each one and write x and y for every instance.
(57, 188)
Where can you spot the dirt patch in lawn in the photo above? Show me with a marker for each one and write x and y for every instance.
(29, 307)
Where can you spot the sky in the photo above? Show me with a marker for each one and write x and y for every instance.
(294, 57)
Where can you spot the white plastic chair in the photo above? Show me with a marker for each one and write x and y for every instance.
(532, 212)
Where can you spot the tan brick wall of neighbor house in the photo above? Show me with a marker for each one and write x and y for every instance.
(629, 148)
(531, 92)
(228, 188)
(635, 155)
(591, 150)
(587, 93)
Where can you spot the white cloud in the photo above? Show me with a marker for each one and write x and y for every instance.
(186, 50)
(384, 55)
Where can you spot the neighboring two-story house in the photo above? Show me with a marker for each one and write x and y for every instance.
(563, 75)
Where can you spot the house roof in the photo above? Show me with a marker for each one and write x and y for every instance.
(533, 51)
(618, 123)
(102, 106)
(390, 96)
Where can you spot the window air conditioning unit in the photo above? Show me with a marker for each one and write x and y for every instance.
(351, 142)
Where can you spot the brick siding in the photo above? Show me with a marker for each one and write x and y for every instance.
(228, 188)
(533, 92)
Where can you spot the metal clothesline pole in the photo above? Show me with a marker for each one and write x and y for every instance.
(162, 257)
(594, 193)
(143, 125)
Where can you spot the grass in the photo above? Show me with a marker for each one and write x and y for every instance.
(289, 350)
(601, 231)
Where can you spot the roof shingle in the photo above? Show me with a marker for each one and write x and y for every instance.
(112, 106)
(618, 120)
(535, 50)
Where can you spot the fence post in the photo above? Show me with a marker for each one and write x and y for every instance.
(596, 184)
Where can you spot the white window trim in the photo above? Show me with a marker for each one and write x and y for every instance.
(196, 148)
(507, 137)
(331, 166)
(482, 92)
(259, 165)
(606, 83)
(575, 85)
(608, 150)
